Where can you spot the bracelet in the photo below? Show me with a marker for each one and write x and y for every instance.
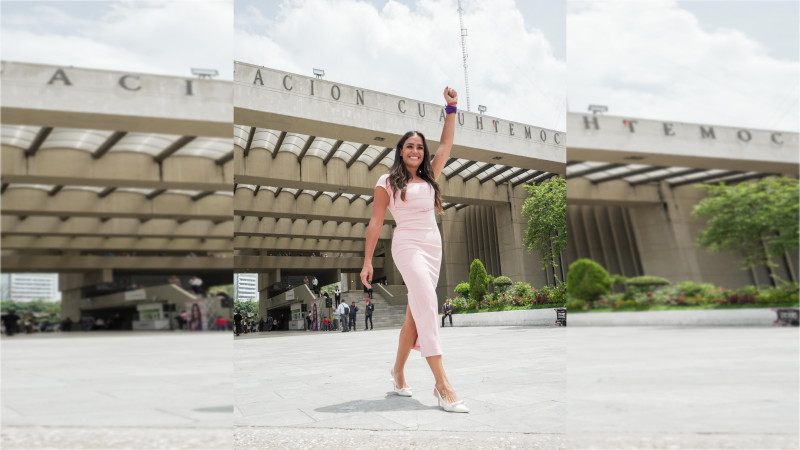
(453, 103)
(450, 109)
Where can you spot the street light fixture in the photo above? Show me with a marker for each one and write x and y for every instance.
(205, 73)
(595, 109)
(481, 109)
(319, 73)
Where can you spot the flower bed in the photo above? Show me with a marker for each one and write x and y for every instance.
(690, 295)
(521, 296)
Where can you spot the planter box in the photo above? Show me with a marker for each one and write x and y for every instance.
(710, 317)
(523, 317)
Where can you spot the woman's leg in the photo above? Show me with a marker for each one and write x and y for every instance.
(408, 335)
(442, 383)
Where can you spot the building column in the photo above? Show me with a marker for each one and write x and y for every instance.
(515, 260)
(71, 286)
(455, 259)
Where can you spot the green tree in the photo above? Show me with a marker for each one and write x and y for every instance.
(226, 288)
(588, 280)
(546, 211)
(243, 307)
(758, 220)
(478, 280)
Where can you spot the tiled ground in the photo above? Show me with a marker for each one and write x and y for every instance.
(512, 379)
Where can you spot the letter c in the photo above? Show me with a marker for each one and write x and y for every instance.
(124, 84)
(403, 103)
(774, 138)
(555, 138)
(285, 77)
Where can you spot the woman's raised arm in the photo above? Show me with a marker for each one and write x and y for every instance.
(448, 133)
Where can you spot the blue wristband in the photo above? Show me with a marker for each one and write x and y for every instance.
(450, 109)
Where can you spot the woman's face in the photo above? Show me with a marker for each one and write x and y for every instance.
(413, 151)
(195, 312)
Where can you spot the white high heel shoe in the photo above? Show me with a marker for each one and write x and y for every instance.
(403, 392)
(458, 406)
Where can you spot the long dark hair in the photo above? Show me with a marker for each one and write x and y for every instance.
(399, 174)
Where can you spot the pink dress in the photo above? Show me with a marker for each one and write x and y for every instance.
(417, 253)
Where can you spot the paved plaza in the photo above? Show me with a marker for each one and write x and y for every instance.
(329, 388)
(117, 390)
(670, 387)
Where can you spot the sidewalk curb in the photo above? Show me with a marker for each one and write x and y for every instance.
(545, 317)
(754, 317)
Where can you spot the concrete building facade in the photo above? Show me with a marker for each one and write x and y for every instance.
(115, 180)
(631, 191)
(307, 155)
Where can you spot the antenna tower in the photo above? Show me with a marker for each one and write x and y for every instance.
(464, 50)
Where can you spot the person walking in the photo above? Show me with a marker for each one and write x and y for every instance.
(237, 320)
(196, 284)
(344, 312)
(411, 193)
(447, 311)
(10, 321)
(353, 311)
(338, 295)
(368, 315)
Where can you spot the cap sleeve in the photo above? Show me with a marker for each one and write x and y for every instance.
(383, 182)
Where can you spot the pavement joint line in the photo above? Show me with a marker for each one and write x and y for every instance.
(403, 430)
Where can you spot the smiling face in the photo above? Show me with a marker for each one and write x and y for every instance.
(413, 152)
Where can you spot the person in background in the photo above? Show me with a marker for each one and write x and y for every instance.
(313, 255)
(175, 280)
(368, 315)
(196, 284)
(325, 324)
(353, 311)
(336, 318)
(10, 321)
(261, 324)
(306, 282)
(344, 312)
(222, 323)
(447, 311)
(315, 283)
(237, 321)
(338, 295)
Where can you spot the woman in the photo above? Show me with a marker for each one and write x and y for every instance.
(196, 322)
(411, 193)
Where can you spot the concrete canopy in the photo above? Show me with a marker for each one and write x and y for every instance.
(318, 164)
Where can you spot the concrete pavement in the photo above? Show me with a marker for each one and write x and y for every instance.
(104, 389)
(512, 378)
(683, 387)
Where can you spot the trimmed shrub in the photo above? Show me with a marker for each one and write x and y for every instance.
(462, 289)
(502, 283)
(588, 280)
(692, 289)
(478, 280)
(646, 282)
(522, 289)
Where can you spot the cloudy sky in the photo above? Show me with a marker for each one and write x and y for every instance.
(413, 49)
(714, 62)
(151, 37)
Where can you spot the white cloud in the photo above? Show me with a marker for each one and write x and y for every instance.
(414, 52)
(164, 38)
(652, 59)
